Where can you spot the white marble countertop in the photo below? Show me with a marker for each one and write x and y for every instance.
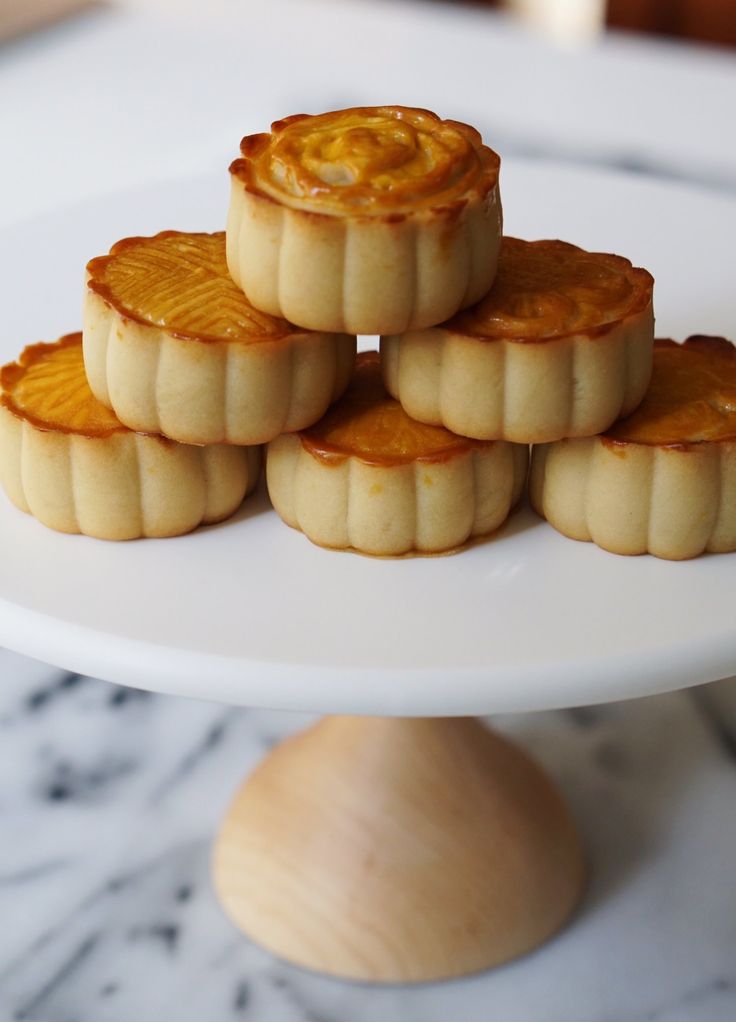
(110, 797)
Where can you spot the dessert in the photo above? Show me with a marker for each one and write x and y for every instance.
(367, 477)
(173, 347)
(560, 347)
(370, 220)
(67, 460)
(663, 480)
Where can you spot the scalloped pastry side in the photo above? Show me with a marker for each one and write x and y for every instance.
(674, 503)
(215, 391)
(361, 275)
(123, 486)
(391, 510)
(522, 392)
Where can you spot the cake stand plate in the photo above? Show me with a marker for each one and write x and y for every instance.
(364, 818)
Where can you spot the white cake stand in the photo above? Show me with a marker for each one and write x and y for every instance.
(402, 841)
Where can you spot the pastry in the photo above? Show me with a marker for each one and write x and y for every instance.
(67, 460)
(561, 346)
(663, 480)
(367, 477)
(173, 347)
(371, 220)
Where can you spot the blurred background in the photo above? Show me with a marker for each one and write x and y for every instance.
(712, 21)
(109, 95)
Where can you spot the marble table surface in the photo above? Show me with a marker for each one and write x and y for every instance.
(110, 798)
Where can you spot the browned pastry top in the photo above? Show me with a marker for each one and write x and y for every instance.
(691, 396)
(368, 161)
(549, 289)
(48, 387)
(369, 424)
(180, 282)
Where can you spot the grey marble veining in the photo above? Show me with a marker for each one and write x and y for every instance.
(109, 799)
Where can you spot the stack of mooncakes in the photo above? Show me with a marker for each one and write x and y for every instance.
(199, 348)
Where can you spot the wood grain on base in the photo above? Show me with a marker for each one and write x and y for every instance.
(398, 850)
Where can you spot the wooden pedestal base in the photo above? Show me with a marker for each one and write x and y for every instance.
(398, 850)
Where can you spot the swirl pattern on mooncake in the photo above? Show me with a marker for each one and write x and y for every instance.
(370, 220)
(368, 159)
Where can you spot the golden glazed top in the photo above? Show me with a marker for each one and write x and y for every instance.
(369, 424)
(48, 387)
(691, 397)
(369, 161)
(549, 289)
(180, 282)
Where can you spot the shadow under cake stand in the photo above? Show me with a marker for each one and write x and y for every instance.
(398, 839)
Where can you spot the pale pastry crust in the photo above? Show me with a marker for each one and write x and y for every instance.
(371, 220)
(107, 481)
(202, 367)
(673, 499)
(387, 504)
(534, 361)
